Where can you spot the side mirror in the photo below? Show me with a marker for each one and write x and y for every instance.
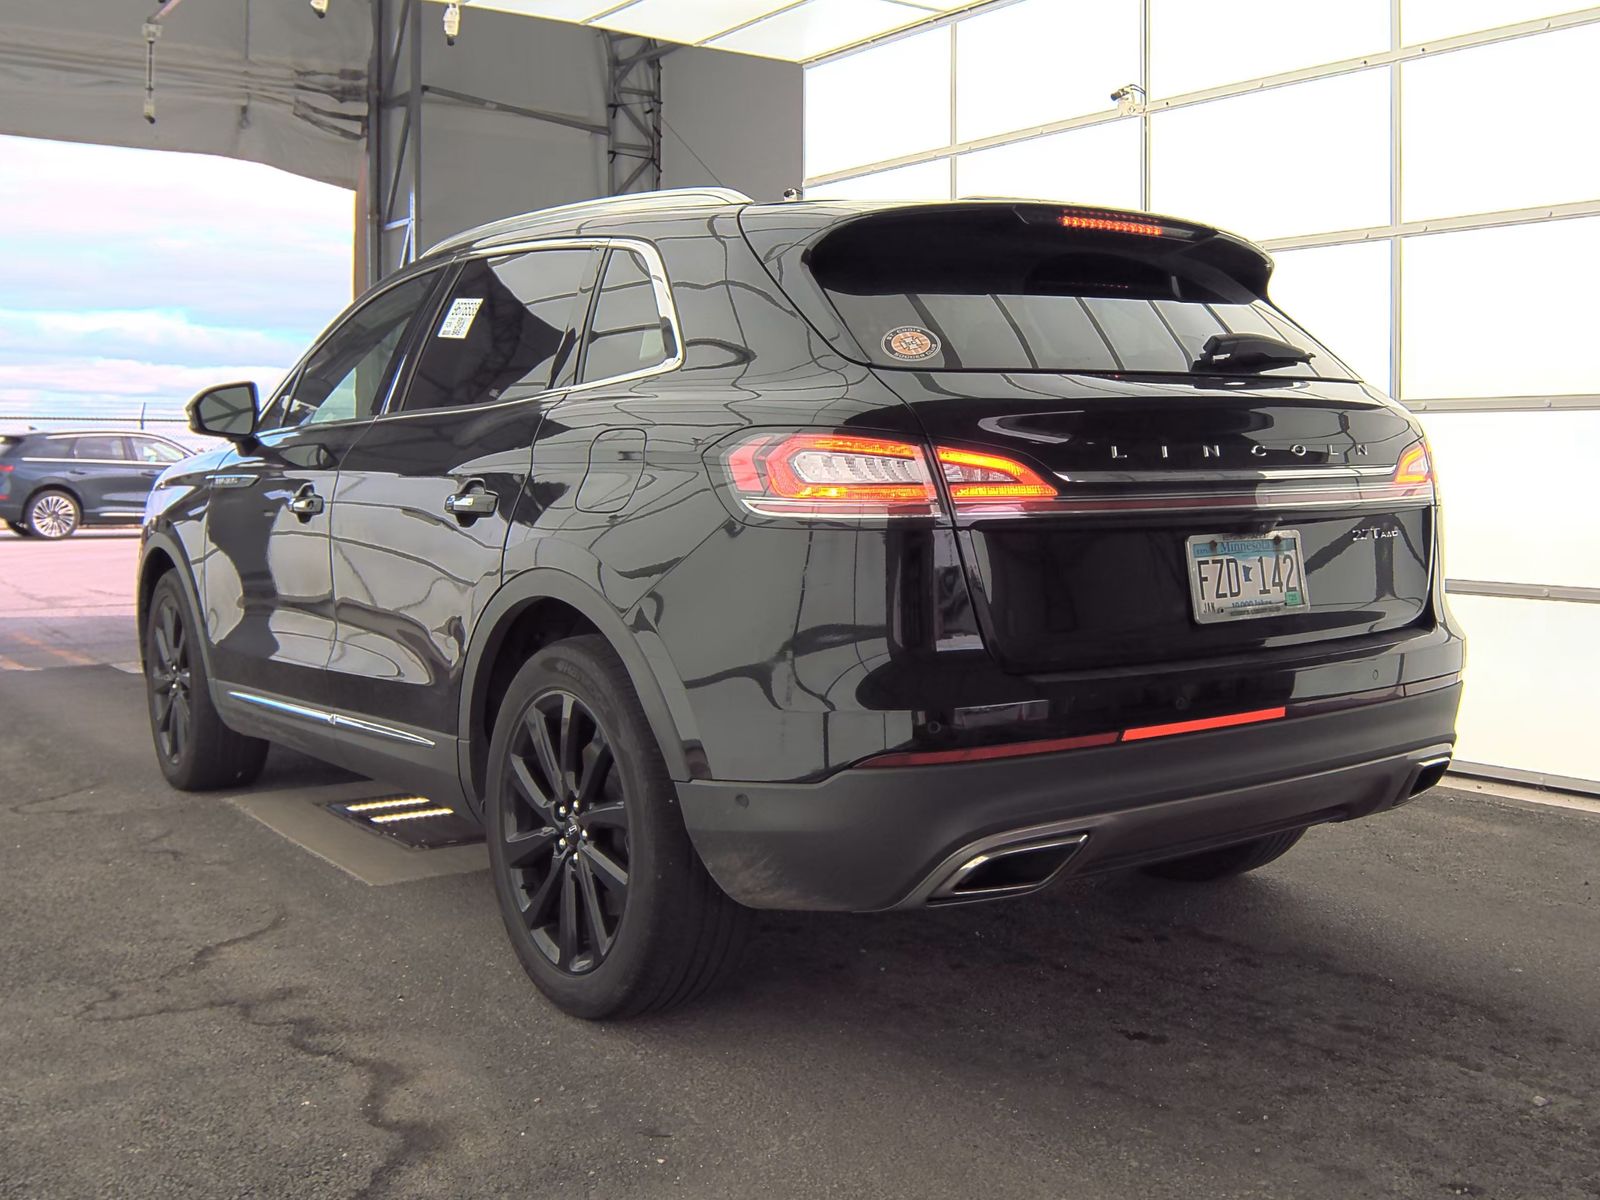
(229, 410)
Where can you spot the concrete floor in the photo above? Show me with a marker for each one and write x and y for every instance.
(192, 1005)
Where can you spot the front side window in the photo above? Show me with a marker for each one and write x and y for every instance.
(507, 330)
(147, 450)
(99, 448)
(347, 375)
(628, 332)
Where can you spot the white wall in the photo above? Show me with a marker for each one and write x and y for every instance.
(740, 115)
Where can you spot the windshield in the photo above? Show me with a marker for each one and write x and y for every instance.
(996, 292)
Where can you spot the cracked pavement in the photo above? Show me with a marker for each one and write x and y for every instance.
(191, 1006)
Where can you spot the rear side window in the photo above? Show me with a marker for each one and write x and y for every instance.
(148, 450)
(507, 329)
(628, 332)
(1004, 289)
(100, 448)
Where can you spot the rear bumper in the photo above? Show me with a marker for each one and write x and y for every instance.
(871, 839)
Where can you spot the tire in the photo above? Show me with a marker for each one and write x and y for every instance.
(608, 906)
(196, 751)
(1226, 861)
(53, 514)
(18, 528)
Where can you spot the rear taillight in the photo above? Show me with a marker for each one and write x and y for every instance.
(1415, 469)
(847, 475)
(831, 475)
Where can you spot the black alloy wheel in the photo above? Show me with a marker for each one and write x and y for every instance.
(172, 714)
(194, 749)
(564, 832)
(608, 907)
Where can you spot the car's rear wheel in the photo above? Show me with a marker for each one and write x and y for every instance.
(19, 528)
(197, 752)
(1226, 861)
(609, 908)
(53, 514)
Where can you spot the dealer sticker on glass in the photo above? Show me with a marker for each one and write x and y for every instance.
(1234, 578)
(458, 320)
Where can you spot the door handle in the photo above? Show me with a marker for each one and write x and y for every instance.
(306, 502)
(471, 502)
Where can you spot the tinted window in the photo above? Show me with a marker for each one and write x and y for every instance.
(99, 448)
(149, 450)
(999, 291)
(347, 375)
(628, 333)
(507, 329)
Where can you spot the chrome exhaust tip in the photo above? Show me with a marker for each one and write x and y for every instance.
(1008, 865)
(1429, 773)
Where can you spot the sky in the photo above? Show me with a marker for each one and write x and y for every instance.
(132, 277)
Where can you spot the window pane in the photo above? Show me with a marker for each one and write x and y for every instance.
(1529, 697)
(817, 27)
(1500, 312)
(506, 331)
(1308, 158)
(1507, 534)
(1341, 294)
(346, 376)
(1040, 61)
(1425, 20)
(1197, 44)
(628, 333)
(879, 104)
(99, 448)
(1098, 165)
(1473, 145)
(925, 181)
(146, 450)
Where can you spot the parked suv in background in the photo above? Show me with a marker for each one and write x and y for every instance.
(811, 556)
(53, 483)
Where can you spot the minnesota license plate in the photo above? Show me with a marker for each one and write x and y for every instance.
(1234, 578)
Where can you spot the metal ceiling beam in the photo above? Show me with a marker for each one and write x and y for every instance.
(633, 113)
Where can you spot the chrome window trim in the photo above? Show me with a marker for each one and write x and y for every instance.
(331, 719)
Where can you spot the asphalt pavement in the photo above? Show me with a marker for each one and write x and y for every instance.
(194, 1005)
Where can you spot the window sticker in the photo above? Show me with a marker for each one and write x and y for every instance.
(458, 320)
(911, 343)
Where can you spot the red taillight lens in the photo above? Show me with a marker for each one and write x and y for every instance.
(831, 475)
(990, 483)
(6, 468)
(1413, 474)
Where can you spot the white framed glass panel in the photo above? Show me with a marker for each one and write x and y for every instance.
(1198, 44)
(818, 27)
(1426, 20)
(1500, 312)
(1096, 165)
(1307, 158)
(1341, 295)
(879, 103)
(1518, 534)
(1505, 126)
(1529, 696)
(924, 181)
(1040, 61)
(676, 21)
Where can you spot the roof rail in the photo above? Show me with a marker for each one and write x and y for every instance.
(603, 206)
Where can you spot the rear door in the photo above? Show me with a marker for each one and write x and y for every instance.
(110, 484)
(1192, 496)
(425, 498)
(267, 578)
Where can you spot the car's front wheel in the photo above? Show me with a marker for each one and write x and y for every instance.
(197, 752)
(609, 908)
(1227, 861)
(53, 514)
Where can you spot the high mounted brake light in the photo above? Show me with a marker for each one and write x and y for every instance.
(1073, 220)
(820, 475)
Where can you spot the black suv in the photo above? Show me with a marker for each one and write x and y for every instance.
(720, 555)
(51, 483)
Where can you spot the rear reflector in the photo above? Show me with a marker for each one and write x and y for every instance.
(1245, 718)
(924, 758)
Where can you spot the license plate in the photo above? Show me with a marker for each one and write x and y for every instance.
(1233, 578)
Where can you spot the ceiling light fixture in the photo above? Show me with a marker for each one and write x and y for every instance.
(320, 7)
(452, 22)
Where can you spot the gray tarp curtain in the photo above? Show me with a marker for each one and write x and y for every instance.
(264, 80)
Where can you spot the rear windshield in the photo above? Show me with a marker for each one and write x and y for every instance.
(1000, 290)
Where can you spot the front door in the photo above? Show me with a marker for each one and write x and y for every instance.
(267, 577)
(425, 498)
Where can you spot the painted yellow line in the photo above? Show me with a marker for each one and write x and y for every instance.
(71, 656)
(11, 664)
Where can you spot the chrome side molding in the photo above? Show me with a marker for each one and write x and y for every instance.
(335, 720)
